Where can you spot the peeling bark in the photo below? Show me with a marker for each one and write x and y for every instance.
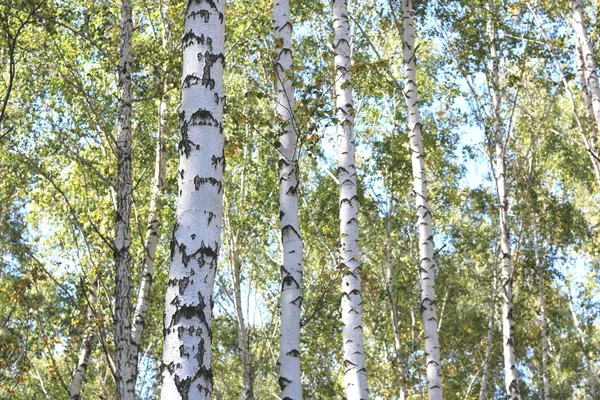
(291, 270)
(125, 370)
(355, 371)
(511, 379)
(424, 217)
(187, 371)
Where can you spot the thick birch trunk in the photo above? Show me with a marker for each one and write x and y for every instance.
(544, 323)
(589, 63)
(355, 371)
(291, 270)
(187, 372)
(508, 335)
(393, 308)
(86, 348)
(152, 232)
(483, 387)
(125, 370)
(424, 217)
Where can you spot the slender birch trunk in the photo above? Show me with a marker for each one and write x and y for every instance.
(589, 62)
(153, 230)
(355, 371)
(291, 269)
(543, 320)
(86, 347)
(590, 386)
(511, 380)
(424, 217)
(187, 371)
(483, 387)
(389, 275)
(243, 344)
(125, 370)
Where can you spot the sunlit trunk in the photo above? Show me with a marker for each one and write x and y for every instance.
(424, 217)
(187, 371)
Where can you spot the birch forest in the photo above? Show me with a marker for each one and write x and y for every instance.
(299, 199)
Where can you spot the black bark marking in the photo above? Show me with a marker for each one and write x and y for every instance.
(203, 117)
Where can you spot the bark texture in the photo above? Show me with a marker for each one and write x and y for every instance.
(589, 63)
(424, 217)
(355, 371)
(86, 348)
(125, 370)
(152, 232)
(187, 372)
(511, 380)
(291, 270)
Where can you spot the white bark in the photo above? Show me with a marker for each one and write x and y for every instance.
(483, 387)
(291, 270)
(152, 232)
(424, 217)
(590, 386)
(187, 372)
(355, 371)
(86, 348)
(511, 380)
(543, 320)
(125, 370)
(589, 63)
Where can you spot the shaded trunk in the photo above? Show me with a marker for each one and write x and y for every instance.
(187, 372)
(86, 347)
(424, 217)
(125, 370)
(511, 380)
(355, 371)
(291, 269)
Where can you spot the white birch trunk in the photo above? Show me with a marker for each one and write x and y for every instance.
(152, 232)
(355, 371)
(483, 387)
(125, 370)
(86, 348)
(589, 63)
(187, 372)
(543, 320)
(508, 335)
(291, 270)
(424, 217)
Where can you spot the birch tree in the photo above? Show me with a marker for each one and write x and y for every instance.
(291, 269)
(125, 369)
(499, 139)
(158, 187)
(355, 371)
(424, 217)
(195, 245)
